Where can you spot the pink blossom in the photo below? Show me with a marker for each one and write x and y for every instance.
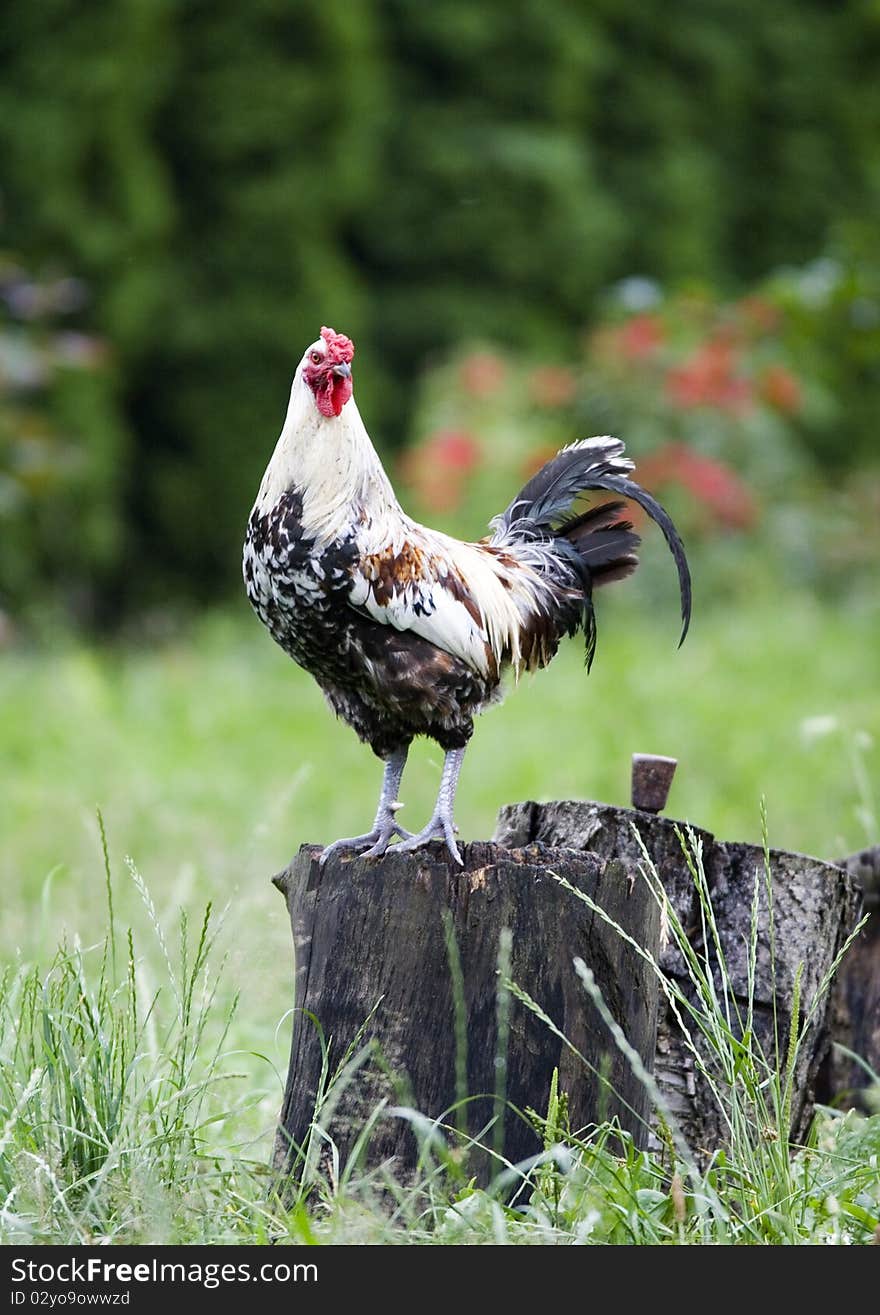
(437, 468)
(759, 314)
(708, 378)
(717, 487)
(454, 449)
(482, 374)
(781, 389)
(552, 385)
(640, 337)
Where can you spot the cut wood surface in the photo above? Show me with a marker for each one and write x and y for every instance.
(372, 940)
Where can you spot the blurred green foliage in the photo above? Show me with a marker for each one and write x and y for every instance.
(225, 178)
(62, 440)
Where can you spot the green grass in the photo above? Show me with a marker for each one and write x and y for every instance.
(212, 758)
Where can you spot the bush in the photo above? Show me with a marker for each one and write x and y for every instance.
(62, 442)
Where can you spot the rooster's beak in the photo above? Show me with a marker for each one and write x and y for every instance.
(342, 371)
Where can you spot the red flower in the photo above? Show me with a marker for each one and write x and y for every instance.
(453, 449)
(640, 337)
(552, 385)
(781, 389)
(436, 469)
(708, 378)
(482, 374)
(758, 314)
(436, 491)
(685, 387)
(714, 484)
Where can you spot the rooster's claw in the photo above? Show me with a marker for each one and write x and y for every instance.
(376, 840)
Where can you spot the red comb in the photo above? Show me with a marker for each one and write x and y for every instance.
(339, 348)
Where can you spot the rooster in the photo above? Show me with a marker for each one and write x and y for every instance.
(406, 630)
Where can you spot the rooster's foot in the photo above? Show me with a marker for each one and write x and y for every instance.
(375, 842)
(440, 827)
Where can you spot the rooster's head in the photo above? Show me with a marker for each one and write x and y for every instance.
(326, 368)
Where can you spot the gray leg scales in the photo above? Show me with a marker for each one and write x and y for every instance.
(385, 827)
(441, 825)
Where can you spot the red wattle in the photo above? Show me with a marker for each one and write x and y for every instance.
(340, 390)
(333, 396)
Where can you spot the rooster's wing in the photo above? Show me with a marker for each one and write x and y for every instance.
(466, 598)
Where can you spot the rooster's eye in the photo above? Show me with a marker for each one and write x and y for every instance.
(317, 358)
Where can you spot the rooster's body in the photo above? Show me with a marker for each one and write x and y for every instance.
(408, 631)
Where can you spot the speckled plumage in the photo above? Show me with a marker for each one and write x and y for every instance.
(389, 685)
(407, 631)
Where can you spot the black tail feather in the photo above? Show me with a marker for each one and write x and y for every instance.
(605, 545)
(609, 554)
(602, 556)
(596, 518)
(548, 495)
(629, 489)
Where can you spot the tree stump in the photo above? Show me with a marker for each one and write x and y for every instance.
(855, 1007)
(815, 907)
(415, 945)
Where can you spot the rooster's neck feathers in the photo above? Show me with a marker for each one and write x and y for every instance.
(332, 464)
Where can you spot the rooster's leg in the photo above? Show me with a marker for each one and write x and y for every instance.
(385, 826)
(441, 825)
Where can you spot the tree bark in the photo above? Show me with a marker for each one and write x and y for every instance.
(855, 1007)
(412, 946)
(815, 906)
